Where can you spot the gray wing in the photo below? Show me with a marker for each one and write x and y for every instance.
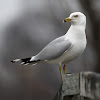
(54, 49)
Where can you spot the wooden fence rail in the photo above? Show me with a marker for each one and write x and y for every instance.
(79, 86)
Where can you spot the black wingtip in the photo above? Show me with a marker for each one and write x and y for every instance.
(12, 61)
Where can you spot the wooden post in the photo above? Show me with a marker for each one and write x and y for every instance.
(79, 86)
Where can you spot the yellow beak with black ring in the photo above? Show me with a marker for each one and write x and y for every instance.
(67, 19)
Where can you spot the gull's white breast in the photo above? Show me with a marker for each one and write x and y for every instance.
(78, 39)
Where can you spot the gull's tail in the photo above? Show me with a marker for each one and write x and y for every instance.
(25, 61)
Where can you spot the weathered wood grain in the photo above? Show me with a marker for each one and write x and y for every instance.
(90, 85)
(70, 84)
(79, 86)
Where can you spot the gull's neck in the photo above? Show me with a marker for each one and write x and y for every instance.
(76, 31)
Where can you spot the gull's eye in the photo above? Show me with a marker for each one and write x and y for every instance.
(76, 16)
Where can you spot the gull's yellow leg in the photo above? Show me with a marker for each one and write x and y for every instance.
(64, 69)
(60, 73)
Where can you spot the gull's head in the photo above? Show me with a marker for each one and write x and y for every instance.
(76, 18)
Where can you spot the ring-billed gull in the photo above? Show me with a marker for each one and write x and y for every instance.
(65, 48)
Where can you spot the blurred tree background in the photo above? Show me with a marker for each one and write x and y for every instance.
(28, 26)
